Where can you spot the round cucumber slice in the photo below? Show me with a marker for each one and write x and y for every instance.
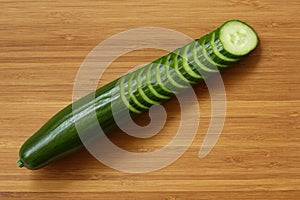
(185, 58)
(159, 70)
(181, 70)
(205, 44)
(172, 75)
(202, 67)
(141, 78)
(152, 83)
(237, 38)
(214, 53)
(124, 98)
(132, 88)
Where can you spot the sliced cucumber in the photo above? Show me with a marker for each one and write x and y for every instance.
(180, 65)
(124, 96)
(139, 94)
(201, 65)
(209, 61)
(161, 80)
(214, 53)
(236, 39)
(132, 88)
(171, 75)
(186, 59)
(155, 89)
(144, 91)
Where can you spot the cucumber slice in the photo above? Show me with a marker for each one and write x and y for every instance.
(161, 80)
(237, 38)
(124, 98)
(202, 68)
(171, 75)
(186, 59)
(214, 53)
(181, 68)
(145, 91)
(205, 44)
(152, 84)
(192, 67)
(132, 88)
(139, 94)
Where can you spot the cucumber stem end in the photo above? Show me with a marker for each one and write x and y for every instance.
(20, 164)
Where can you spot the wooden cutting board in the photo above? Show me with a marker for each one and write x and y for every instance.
(42, 45)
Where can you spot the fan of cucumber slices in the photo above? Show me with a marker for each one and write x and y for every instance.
(137, 91)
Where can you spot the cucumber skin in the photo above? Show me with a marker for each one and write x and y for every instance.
(53, 140)
(59, 136)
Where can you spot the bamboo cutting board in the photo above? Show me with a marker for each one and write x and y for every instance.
(43, 43)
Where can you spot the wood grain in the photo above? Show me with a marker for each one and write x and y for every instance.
(43, 43)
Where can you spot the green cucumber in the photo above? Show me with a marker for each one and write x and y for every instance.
(143, 89)
(183, 71)
(214, 54)
(137, 91)
(132, 87)
(186, 60)
(209, 61)
(200, 60)
(124, 97)
(174, 82)
(139, 94)
(235, 39)
(153, 86)
(161, 80)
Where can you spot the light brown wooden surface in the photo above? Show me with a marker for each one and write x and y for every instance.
(42, 44)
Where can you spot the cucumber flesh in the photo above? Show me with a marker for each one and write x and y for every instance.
(237, 38)
(181, 70)
(140, 96)
(173, 83)
(210, 62)
(141, 77)
(124, 95)
(156, 91)
(186, 59)
(214, 53)
(199, 59)
(132, 88)
(159, 70)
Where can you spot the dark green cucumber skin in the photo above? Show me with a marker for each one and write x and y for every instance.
(59, 136)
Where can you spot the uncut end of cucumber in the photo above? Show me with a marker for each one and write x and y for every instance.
(20, 164)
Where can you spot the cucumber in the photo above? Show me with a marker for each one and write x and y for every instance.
(199, 59)
(186, 60)
(174, 82)
(182, 69)
(132, 87)
(152, 86)
(214, 54)
(124, 95)
(235, 39)
(137, 91)
(161, 80)
(143, 89)
(207, 57)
